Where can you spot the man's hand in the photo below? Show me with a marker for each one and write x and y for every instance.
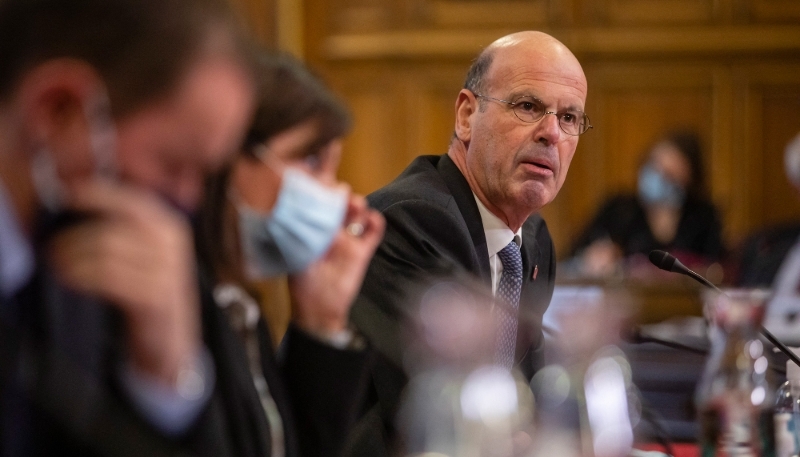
(322, 295)
(136, 253)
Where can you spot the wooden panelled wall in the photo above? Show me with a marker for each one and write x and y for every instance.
(729, 68)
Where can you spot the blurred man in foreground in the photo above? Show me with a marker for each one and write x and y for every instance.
(111, 112)
(473, 210)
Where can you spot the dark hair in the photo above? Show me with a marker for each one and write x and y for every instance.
(687, 142)
(476, 75)
(289, 95)
(139, 47)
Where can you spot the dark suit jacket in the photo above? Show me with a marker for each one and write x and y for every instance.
(317, 388)
(623, 220)
(434, 228)
(58, 379)
(763, 253)
(59, 363)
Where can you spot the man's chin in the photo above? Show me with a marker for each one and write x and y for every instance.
(535, 195)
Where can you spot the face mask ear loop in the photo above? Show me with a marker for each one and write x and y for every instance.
(46, 181)
(259, 151)
(102, 135)
(262, 152)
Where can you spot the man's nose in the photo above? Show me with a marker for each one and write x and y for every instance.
(549, 130)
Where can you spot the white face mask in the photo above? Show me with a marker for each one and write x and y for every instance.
(306, 218)
(102, 141)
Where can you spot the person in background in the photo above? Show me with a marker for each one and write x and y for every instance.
(669, 212)
(111, 112)
(279, 209)
(473, 212)
(771, 257)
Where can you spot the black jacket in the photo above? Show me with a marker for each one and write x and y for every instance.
(434, 229)
(59, 365)
(623, 220)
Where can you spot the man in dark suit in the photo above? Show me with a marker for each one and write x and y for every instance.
(472, 209)
(111, 112)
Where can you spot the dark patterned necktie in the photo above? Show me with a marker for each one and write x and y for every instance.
(508, 291)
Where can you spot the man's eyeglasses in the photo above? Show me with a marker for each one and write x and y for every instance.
(530, 109)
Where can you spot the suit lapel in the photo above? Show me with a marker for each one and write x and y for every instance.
(530, 254)
(465, 200)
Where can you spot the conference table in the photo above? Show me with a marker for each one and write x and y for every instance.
(660, 307)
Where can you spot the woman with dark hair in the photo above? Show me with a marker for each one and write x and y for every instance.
(279, 209)
(669, 212)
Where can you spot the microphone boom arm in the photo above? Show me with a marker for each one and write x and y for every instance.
(668, 262)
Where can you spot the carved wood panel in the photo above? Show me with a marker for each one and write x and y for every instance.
(722, 66)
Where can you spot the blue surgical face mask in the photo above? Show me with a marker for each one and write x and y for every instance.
(299, 230)
(655, 188)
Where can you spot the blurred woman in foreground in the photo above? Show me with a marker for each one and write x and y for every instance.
(279, 209)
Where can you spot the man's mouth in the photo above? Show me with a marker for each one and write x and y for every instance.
(540, 164)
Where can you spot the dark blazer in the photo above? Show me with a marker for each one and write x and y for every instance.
(623, 220)
(58, 379)
(59, 362)
(317, 388)
(434, 228)
(762, 254)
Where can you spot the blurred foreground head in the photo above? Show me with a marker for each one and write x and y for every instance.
(154, 92)
(298, 126)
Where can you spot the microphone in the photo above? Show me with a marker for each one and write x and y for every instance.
(668, 262)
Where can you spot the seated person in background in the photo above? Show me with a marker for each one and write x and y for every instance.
(765, 259)
(279, 209)
(669, 212)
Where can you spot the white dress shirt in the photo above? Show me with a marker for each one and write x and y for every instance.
(498, 235)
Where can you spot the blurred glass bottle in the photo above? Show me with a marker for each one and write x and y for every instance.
(787, 412)
(586, 403)
(733, 397)
(458, 403)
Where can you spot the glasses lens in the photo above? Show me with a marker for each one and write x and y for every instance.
(528, 109)
(573, 123)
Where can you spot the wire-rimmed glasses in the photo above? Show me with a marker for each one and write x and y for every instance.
(530, 109)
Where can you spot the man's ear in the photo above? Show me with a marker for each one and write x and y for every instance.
(56, 100)
(466, 107)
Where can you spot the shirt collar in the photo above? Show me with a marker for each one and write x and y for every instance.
(498, 234)
(17, 260)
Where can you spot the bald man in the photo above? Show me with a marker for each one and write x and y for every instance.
(474, 209)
